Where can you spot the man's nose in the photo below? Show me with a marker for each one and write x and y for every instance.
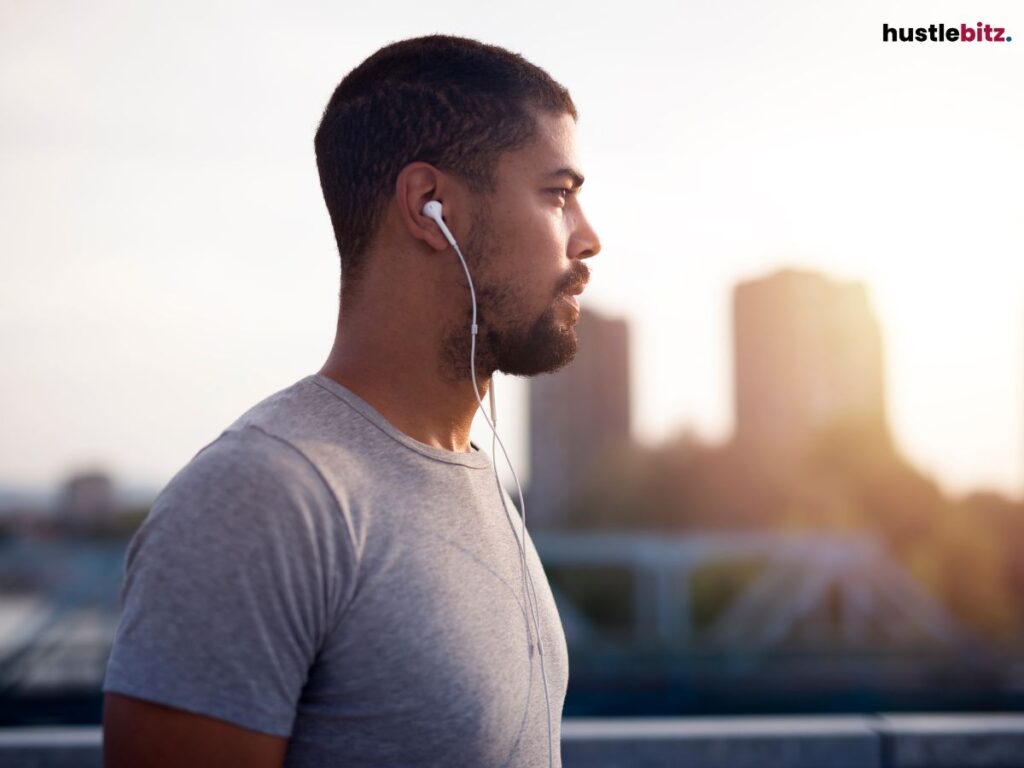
(585, 239)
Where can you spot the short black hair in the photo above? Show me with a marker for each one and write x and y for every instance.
(450, 101)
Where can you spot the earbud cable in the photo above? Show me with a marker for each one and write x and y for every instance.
(522, 505)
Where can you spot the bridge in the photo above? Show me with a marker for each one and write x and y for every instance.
(844, 586)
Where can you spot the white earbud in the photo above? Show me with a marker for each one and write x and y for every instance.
(433, 210)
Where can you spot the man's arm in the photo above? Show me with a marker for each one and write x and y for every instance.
(141, 734)
(231, 586)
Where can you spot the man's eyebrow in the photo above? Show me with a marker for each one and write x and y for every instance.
(572, 173)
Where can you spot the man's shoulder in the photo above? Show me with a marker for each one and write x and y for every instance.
(248, 454)
(300, 447)
(302, 408)
(245, 468)
(246, 491)
(312, 420)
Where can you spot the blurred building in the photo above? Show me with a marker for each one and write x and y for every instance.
(807, 351)
(576, 415)
(87, 497)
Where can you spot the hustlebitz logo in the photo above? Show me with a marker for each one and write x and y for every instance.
(940, 33)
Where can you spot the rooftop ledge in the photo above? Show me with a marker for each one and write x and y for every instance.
(828, 741)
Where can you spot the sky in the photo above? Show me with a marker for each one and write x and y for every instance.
(167, 259)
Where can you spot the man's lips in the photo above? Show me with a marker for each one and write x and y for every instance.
(570, 295)
(573, 292)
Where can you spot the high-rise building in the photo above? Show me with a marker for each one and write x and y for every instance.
(807, 352)
(576, 415)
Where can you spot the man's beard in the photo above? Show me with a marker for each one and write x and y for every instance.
(523, 349)
(505, 341)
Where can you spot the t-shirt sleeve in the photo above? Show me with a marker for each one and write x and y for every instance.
(232, 583)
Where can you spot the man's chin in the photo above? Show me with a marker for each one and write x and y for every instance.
(547, 356)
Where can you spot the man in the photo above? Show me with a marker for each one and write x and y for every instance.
(334, 579)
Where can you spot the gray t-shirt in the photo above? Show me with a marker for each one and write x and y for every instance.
(317, 574)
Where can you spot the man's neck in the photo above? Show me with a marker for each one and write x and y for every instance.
(400, 375)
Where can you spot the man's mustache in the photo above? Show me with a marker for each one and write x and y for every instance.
(577, 280)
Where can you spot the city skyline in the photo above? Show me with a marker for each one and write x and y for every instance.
(168, 260)
(806, 348)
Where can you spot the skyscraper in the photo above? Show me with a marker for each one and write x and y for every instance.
(807, 351)
(576, 415)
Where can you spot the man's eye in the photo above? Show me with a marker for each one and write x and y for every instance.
(562, 192)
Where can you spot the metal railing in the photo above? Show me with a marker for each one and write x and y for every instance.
(869, 741)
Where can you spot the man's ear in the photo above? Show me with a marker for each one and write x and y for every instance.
(417, 184)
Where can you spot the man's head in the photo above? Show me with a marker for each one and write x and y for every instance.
(446, 117)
